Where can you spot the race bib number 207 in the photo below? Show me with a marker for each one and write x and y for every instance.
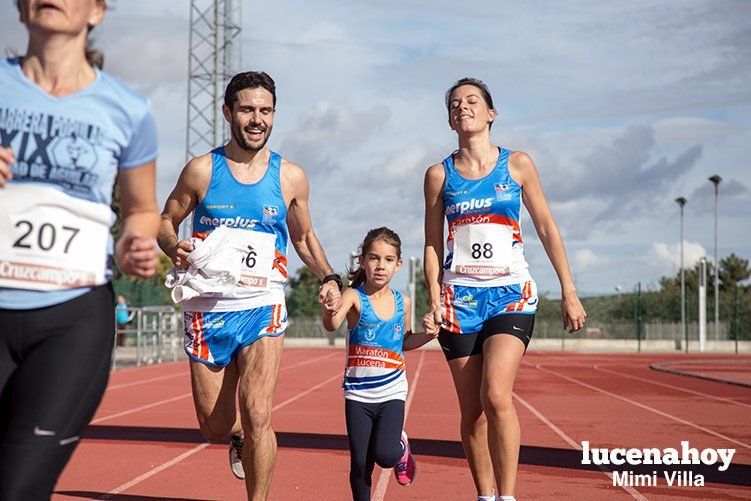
(50, 240)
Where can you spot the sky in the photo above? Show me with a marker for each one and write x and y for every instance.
(623, 106)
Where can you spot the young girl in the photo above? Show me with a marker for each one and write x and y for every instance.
(375, 379)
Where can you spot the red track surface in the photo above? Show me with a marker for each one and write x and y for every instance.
(144, 443)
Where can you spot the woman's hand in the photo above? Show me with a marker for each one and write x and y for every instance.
(136, 255)
(430, 326)
(6, 159)
(572, 312)
(433, 320)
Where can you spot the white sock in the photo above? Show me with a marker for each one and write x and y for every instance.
(507, 498)
(486, 498)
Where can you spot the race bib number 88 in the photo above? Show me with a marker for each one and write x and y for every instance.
(482, 250)
(50, 240)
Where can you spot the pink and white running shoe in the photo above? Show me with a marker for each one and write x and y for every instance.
(406, 469)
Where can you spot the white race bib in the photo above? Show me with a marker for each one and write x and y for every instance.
(258, 260)
(482, 250)
(50, 240)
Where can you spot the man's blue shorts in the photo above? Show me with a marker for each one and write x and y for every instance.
(213, 338)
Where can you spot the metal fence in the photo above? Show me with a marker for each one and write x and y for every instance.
(309, 328)
(601, 336)
(153, 334)
(652, 336)
(654, 330)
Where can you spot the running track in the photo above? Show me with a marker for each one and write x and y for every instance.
(143, 442)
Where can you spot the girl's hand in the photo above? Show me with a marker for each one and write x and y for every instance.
(329, 304)
(136, 255)
(6, 159)
(572, 312)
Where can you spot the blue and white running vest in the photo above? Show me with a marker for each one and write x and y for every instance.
(260, 209)
(376, 370)
(484, 239)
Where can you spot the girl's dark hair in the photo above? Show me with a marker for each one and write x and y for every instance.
(94, 56)
(356, 274)
(484, 92)
(248, 80)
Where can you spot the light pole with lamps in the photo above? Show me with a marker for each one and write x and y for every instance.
(716, 180)
(681, 201)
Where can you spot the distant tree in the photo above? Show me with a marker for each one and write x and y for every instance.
(733, 269)
(302, 297)
(148, 290)
(117, 227)
(302, 293)
(422, 296)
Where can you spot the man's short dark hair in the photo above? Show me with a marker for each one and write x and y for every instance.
(248, 80)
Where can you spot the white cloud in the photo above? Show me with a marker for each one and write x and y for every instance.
(328, 126)
(662, 255)
(586, 260)
(405, 166)
(686, 131)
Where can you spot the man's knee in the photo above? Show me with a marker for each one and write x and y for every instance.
(214, 430)
(256, 420)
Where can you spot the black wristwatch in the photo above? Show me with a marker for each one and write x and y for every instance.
(333, 277)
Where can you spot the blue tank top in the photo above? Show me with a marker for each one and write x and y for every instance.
(255, 207)
(74, 144)
(493, 201)
(375, 370)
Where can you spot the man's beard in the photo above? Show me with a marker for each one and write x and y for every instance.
(237, 134)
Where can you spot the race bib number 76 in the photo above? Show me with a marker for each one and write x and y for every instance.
(258, 259)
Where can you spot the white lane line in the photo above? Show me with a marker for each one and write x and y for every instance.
(383, 479)
(634, 493)
(200, 447)
(184, 373)
(168, 400)
(677, 388)
(153, 471)
(309, 390)
(139, 409)
(144, 367)
(316, 359)
(645, 407)
(144, 381)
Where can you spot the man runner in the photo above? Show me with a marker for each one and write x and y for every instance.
(236, 337)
